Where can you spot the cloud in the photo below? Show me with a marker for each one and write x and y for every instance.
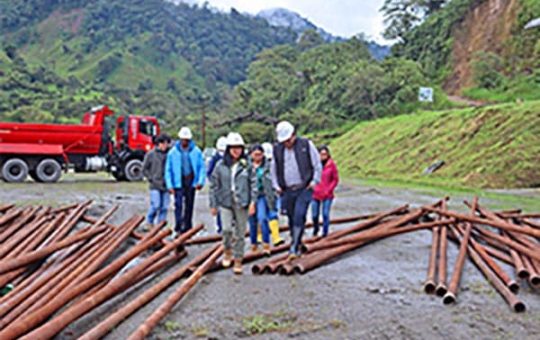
(344, 18)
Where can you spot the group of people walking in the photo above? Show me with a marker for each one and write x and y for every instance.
(247, 187)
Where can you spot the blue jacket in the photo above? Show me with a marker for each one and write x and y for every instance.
(173, 166)
(212, 164)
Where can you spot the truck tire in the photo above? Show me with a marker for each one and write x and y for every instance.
(119, 176)
(134, 170)
(48, 171)
(33, 175)
(15, 170)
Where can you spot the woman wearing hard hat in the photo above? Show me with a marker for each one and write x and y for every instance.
(230, 192)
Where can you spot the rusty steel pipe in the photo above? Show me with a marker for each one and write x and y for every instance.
(450, 296)
(26, 259)
(478, 220)
(15, 240)
(24, 325)
(153, 320)
(517, 305)
(6, 207)
(441, 288)
(20, 299)
(91, 263)
(148, 295)
(534, 277)
(24, 218)
(429, 285)
(501, 274)
(511, 244)
(27, 246)
(56, 258)
(261, 268)
(382, 231)
(217, 238)
(311, 261)
(502, 256)
(10, 216)
(153, 269)
(372, 221)
(58, 323)
(56, 280)
(21, 261)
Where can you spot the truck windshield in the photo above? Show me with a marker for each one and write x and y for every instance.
(147, 128)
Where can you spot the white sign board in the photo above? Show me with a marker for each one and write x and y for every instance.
(425, 95)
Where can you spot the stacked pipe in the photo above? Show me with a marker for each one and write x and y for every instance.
(486, 238)
(61, 264)
(57, 265)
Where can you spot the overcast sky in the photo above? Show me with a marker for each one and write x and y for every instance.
(339, 17)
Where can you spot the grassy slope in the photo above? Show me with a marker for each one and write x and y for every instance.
(491, 147)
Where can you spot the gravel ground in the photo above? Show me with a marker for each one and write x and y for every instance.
(374, 292)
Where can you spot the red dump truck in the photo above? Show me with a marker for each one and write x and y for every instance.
(43, 151)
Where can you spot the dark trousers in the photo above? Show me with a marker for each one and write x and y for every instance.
(184, 201)
(295, 204)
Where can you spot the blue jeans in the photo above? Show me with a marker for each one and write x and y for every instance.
(316, 210)
(260, 218)
(295, 204)
(184, 201)
(159, 203)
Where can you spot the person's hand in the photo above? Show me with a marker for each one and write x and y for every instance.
(171, 191)
(279, 191)
(252, 209)
(213, 211)
(198, 187)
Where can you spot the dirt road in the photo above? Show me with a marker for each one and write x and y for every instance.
(375, 292)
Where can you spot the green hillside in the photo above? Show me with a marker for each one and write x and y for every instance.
(145, 57)
(490, 147)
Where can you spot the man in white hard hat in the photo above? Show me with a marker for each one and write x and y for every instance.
(296, 170)
(221, 146)
(185, 173)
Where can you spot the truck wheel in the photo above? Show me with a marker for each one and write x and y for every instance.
(15, 170)
(33, 175)
(133, 170)
(119, 176)
(48, 171)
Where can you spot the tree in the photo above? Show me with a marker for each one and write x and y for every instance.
(401, 16)
(309, 39)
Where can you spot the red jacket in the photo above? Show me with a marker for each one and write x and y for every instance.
(329, 182)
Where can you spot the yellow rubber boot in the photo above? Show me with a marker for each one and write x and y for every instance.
(274, 231)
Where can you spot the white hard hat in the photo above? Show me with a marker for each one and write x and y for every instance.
(235, 139)
(221, 143)
(284, 131)
(185, 133)
(268, 150)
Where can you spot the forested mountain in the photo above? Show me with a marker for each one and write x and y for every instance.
(282, 17)
(58, 57)
(477, 48)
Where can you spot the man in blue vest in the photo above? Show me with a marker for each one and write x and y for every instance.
(295, 172)
(185, 173)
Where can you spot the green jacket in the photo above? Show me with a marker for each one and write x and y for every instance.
(221, 194)
(267, 187)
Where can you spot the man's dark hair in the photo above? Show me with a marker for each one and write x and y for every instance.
(162, 138)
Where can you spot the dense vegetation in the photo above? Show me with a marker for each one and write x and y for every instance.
(511, 73)
(491, 147)
(327, 86)
(145, 57)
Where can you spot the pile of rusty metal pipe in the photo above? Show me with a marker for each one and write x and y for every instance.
(487, 238)
(59, 264)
